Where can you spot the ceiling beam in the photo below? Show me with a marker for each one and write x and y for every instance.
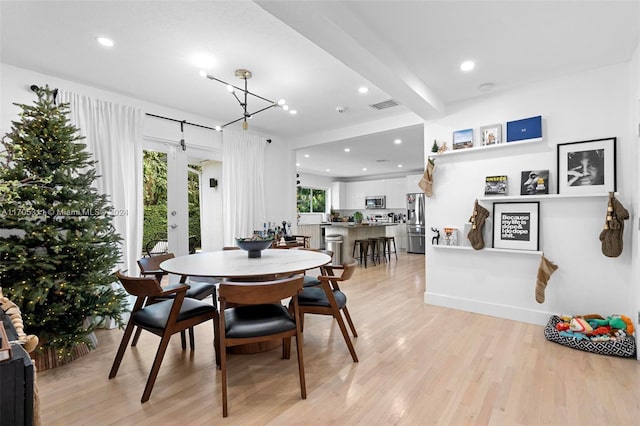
(334, 27)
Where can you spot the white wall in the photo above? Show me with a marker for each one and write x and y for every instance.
(634, 227)
(579, 107)
(211, 206)
(201, 143)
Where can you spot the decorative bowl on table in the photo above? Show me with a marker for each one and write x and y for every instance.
(254, 246)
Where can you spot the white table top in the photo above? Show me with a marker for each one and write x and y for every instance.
(236, 263)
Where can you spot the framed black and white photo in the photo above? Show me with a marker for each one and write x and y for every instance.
(491, 135)
(587, 167)
(516, 225)
(533, 182)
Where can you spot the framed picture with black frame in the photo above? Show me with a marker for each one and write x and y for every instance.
(516, 225)
(587, 167)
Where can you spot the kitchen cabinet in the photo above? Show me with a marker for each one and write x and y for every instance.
(395, 192)
(351, 195)
(357, 191)
(338, 195)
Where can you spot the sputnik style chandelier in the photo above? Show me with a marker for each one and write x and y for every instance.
(246, 115)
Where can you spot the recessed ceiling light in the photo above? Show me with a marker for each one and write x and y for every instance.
(202, 60)
(105, 41)
(347, 149)
(467, 65)
(398, 141)
(363, 89)
(364, 169)
(400, 165)
(327, 170)
(293, 112)
(297, 164)
(306, 156)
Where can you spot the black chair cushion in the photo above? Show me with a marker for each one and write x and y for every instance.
(155, 316)
(310, 281)
(197, 290)
(315, 296)
(257, 320)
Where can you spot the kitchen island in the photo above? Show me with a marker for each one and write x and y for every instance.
(353, 232)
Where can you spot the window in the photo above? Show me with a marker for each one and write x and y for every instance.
(312, 200)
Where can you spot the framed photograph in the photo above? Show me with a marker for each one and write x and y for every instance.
(587, 167)
(463, 139)
(491, 135)
(495, 185)
(516, 226)
(534, 182)
(527, 128)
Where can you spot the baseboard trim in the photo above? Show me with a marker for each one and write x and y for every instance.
(492, 309)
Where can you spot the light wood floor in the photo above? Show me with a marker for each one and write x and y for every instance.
(419, 365)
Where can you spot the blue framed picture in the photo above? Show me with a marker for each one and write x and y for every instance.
(527, 128)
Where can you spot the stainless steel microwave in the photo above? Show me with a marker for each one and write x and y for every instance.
(375, 202)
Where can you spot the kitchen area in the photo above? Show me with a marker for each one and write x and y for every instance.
(395, 205)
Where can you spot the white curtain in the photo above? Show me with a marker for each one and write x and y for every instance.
(113, 135)
(243, 200)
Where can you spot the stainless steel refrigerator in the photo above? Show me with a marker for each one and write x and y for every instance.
(415, 222)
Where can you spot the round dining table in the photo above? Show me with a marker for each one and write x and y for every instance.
(237, 264)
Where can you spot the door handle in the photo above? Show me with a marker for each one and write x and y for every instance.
(174, 226)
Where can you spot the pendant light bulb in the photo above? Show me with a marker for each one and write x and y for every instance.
(245, 125)
(230, 89)
(203, 73)
(281, 102)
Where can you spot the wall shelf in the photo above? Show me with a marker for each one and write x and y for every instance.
(482, 148)
(499, 198)
(494, 250)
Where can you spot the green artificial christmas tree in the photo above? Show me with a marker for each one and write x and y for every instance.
(58, 247)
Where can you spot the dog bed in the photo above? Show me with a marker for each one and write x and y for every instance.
(624, 346)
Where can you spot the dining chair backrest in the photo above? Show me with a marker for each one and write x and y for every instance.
(140, 286)
(348, 268)
(151, 265)
(254, 293)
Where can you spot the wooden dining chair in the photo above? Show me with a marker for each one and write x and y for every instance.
(163, 318)
(199, 288)
(252, 312)
(328, 299)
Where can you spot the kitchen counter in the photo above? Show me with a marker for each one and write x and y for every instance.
(353, 232)
(358, 225)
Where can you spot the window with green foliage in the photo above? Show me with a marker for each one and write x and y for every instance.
(312, 200)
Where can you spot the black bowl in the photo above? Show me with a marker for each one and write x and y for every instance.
(254, 247)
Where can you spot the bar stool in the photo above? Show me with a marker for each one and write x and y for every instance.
(388, 241)
(378, 245)
(363, 246)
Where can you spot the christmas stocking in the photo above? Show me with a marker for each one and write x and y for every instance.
(545, 270)
(479, 216)
(426, 183)
(611, 235)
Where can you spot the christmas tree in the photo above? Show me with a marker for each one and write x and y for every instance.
(58, 247)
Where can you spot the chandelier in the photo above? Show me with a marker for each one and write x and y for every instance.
(243, 99)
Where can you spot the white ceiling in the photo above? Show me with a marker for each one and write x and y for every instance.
(316, 55)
